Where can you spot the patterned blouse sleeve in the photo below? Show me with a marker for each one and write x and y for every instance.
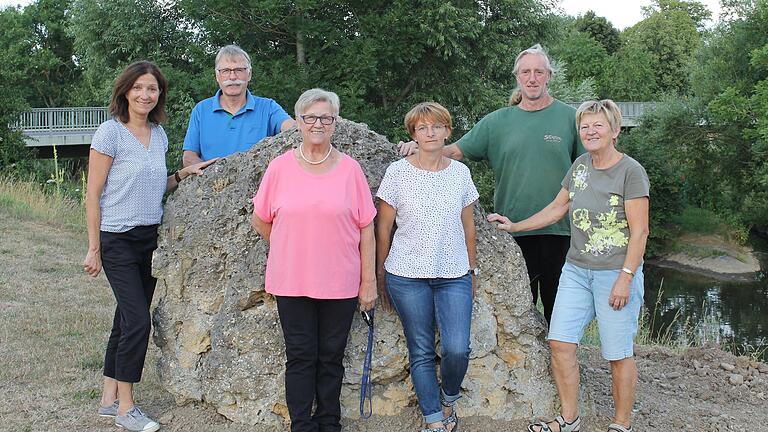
(366, 211)
(105, 139)
(163, 138)
(263, 200)
(388, 188)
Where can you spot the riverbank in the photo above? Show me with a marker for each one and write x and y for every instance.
(712, 256)
(54, 321)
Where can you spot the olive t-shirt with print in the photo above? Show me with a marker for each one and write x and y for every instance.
(599, 229)
(529, 152)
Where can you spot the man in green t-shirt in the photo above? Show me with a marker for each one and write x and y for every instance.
(530, 145)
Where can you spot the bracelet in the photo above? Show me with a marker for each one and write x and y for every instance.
(177, 177)
(628, 271)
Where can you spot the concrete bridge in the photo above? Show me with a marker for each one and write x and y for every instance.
(70, 130)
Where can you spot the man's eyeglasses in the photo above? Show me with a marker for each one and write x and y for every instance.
(228, 71)
(312, 119)
(438, 128)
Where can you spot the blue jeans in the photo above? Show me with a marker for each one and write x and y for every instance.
(421, 303)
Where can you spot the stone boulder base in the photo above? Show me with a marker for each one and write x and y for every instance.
(219, 333)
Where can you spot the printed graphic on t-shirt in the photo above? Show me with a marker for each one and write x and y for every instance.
(607, 233)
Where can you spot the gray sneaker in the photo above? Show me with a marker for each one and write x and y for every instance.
(109, 411)
(136, 421)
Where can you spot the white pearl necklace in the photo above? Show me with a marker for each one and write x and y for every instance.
(301, 153)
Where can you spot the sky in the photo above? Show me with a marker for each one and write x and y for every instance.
(622, 13)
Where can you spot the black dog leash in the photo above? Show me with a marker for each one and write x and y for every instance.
(366, 387)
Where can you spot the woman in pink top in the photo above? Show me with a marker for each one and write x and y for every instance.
(315, 209)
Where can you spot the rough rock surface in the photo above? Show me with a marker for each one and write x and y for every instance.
(218, 330)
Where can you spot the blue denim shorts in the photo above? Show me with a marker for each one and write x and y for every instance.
(583, 295)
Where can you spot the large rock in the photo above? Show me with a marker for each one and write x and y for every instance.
(219, 333)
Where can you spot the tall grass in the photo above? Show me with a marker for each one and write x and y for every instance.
(26, 199)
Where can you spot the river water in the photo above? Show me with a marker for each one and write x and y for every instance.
(733, 314)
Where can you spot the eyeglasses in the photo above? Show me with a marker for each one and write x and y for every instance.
(228, 71)
(437, 128)
(312, 119)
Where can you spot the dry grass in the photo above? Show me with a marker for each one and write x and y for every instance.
(54, 322)
(25, 200)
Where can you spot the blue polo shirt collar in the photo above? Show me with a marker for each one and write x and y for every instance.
(250, 102)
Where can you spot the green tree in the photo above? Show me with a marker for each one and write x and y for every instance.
(628, 76)
(731, 78)
(50, 58)
(14, 52)
(669, 35)
(600, 29)
(585, 57)
(381, 56)
(695, 10)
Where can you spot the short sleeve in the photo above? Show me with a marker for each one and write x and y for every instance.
(388, 187)
(105, 138)
(277, 116)
(263, 200)
(192, 138)
(366, 211)
(163, 138)
(470, 191)
(474, 145)
(636, 183)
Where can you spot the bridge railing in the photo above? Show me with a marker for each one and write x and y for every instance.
(630, 111)
(62, 119)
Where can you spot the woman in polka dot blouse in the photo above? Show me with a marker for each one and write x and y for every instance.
(428, 268)
(127, 178)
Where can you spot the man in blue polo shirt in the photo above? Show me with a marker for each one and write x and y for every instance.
(233, 120)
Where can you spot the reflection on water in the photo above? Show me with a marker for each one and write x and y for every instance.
(734, 314)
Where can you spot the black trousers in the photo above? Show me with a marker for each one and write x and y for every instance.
(315, 333)
(544, 256)
(127, 261)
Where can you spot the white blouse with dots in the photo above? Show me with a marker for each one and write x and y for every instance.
(429, 241)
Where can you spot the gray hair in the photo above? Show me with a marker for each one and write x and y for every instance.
(315, 95)
(517, 94)
(534, 50)
(232, 52)
(605, 106)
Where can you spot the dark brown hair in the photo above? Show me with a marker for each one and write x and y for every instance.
(118, 104)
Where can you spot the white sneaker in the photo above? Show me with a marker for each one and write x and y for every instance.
(136, 421)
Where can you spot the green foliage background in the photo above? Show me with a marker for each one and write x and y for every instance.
(704, 146)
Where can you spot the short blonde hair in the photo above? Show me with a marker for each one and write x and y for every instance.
(312, 96)
(605, 106)
(427, 111)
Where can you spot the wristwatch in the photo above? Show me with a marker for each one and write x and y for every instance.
(475, 271)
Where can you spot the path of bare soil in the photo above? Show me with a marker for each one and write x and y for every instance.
(54, 322)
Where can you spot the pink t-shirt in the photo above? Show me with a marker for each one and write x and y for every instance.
(316, 220)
